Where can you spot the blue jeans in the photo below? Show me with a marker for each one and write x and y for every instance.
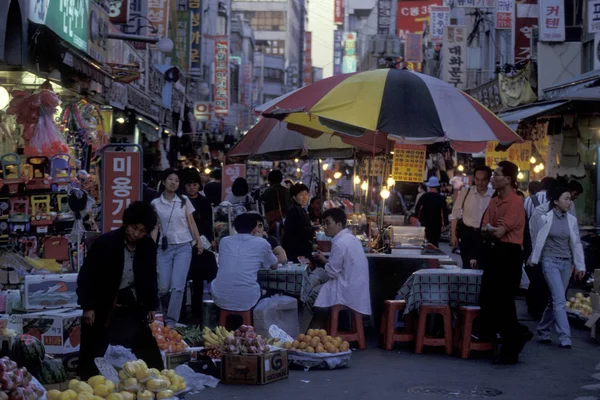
(557, 273)
(173, 267)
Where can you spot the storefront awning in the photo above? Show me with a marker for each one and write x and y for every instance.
(514, 116)
(564, 89)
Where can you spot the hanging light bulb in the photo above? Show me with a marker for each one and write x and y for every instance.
(364, 186)
(337, 175)
(541, 166)
(461, 168)
(384, 193)
(536, 169)
(296, 160)
(391, 182)
(532, 160)
(520, 176)
(120, 120)
(329, 180)
(297, 169)
(356, 180)
(207, 171)
(325, 166)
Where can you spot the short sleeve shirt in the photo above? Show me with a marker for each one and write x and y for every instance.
(173, 218)
(509, 213)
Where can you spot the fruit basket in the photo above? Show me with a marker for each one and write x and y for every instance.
(319, 360)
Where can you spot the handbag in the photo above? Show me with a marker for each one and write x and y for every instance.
(460, 226)
(164, 243)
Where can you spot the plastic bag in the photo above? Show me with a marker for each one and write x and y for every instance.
(277, 310)
(118, 355)
(194, 380)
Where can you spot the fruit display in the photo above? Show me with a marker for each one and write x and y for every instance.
(192, 335)
(15, 383)
(580, 305)
(136, 381)
(317, 341)
(275, 342)
(217, 337)
(169, 340)
(245, 341)
(52, 371)
(29, 352)
(213, 351)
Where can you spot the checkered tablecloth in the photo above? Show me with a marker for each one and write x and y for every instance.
(455, 287)
(286, 280)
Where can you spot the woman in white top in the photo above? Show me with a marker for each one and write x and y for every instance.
(178, 233)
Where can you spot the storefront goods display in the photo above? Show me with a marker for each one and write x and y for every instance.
(580, 306)
(169, 340)
(217, 337)
(317, 341)
(17, 383)
(52, 371)
(245, 341)
(58, 330)
(29, 352)
(192, 335)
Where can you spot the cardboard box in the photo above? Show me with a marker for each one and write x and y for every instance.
(43, 292)
(172, 360)
(9, 276)
(59, 330)
(71, 363)
(254, 369)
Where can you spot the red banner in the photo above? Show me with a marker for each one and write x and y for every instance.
(526, 18)
(119, 11)
(231, 173)
(221, 76)
(307, 58)
(338, 12)
(122, 185)
(412, 16)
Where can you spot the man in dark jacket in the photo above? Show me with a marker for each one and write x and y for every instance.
(432, 212)
(118, 292)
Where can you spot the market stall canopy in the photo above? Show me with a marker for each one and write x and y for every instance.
(272, 140)
(516, 115)
(564, 89)
(405, 105)
(587, 94)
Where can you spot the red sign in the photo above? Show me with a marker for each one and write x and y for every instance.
(221, 76)
(202, 110)
(158, 14)
(526, 18)
(504, 14)
(307, 58)
(231, 173)
(413, 16)
(119, 11)
(122, 185)
(338, 12)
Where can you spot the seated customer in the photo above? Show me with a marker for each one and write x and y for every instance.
(259, 231)
(241, 256)
(347, 270)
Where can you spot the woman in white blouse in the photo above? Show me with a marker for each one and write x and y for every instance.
(178, 233)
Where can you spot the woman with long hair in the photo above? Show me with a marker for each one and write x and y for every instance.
(558, 247)
(178, 233)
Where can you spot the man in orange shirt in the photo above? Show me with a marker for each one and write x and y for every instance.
(503, 227)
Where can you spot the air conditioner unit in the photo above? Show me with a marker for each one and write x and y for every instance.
(535, 38)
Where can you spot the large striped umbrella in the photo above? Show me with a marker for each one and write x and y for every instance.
(407, 106)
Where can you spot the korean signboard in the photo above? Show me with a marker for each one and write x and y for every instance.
(552, 21)
(121, 186)
(98, 35)
(182, 40)
(349, 58)
(475, 3)
(409, 163)
(196, 31)
(526, 19)
(504, 14)
(158, 14)
(307, 79)
(202, 110)
(488, 94)
(440, 18)
(338, 52)
(221, 92)
(384, 17)
(593, 16)
(413, 16)
(518, 153)
(338, 12)
(68, 19)
(230, 173)
(119, 11)
(138, 10)
(413, 51)
(454, 59)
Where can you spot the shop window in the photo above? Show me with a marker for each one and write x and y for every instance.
(267, 20)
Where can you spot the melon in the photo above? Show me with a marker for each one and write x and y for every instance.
(52, 371)
(28, 351)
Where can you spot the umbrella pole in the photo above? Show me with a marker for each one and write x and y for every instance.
(355, 208)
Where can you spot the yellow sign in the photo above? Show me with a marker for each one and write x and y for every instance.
(518, 153)
(409, 163)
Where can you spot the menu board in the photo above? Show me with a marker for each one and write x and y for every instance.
(518, 153)
(409, 163)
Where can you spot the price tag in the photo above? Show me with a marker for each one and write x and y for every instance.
(107, 370)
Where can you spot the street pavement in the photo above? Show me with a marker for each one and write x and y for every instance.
(545, 372)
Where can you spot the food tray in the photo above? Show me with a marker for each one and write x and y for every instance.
(319, 360)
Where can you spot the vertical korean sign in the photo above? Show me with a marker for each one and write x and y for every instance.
(454, 63)
(338, 52)
(158, 14)
(440, 18)
(413, 51)
(504, 13)
(183, 38)
(552, 20)
(384, 17)
(307, 58)
(409, 163)
(526, 19)
(338, 12)
(593, 16)
(121, 186)
(230, 173)
(349, 58)
(221, 94)
(196, 29)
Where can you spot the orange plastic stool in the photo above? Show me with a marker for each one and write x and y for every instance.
(246, 317)
(388, 324)
(464, 329)
(422, 339)
(356, 335)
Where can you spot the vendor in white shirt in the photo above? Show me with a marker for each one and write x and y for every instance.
(347, 271)
(241, 256)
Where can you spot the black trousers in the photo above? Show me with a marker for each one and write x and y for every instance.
(470, 245)
(125, 327)
(502, 268)
(432, 234)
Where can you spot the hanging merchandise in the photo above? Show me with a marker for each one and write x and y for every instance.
(80, 123)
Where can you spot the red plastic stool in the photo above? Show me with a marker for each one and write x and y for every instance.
(246, 317)
(422, 339)
(356, 335)
(464, 329)
(388, 324)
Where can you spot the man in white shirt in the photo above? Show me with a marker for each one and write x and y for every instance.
(347, 267)
(241, 256)
(465, 220)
